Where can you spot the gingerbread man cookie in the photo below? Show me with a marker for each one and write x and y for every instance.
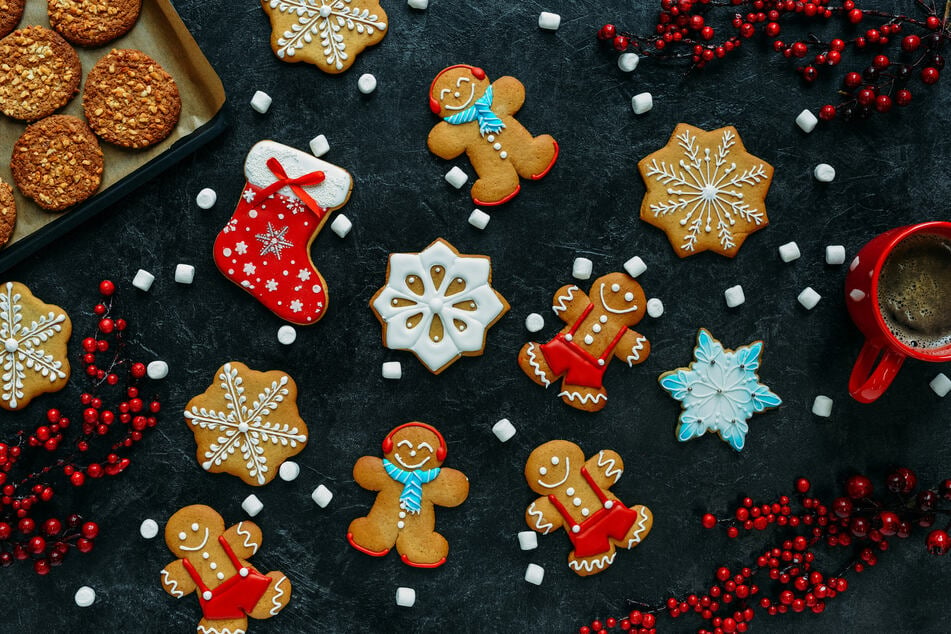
(411, 481)
(575, 497)
(598, 329)
(213, 562)
(479, 119)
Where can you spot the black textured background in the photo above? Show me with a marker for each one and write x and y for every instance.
(892, 171)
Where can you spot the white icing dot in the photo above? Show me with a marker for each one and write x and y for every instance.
(220, 575)
(503, 155)
(226, 252)
(568, 337)
(243, 571)
(182, 536)
(628, 297)
(555, 460)
(603, 319)
(253, 213)
(148, 529)
(402, 514)
(11, 345)
(213, 566)
(243, 428)
(490, 138)
(195, 527)
(575, 529)
(585, 512)
(205, 555)
(588, 339)
(206, 595)
(609, 504)
(615, 287)
(400, 524)
(576, 501)
(543, 470)
(570, 491)
(596, 328)
(497, 146)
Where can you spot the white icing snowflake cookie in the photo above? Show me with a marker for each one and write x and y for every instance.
(438, 304)
(246, 423)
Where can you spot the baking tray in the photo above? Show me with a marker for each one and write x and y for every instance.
(161, 34)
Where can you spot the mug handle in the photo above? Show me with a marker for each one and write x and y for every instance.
(868, 380)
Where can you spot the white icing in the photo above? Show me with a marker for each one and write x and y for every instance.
(590, 564)
(330, 194)
(533, 361)
(198, 547)
(408, 465)
(322, 20)
(171, 585)
(540, 522)
(617, 311)
(588, 339)
(560, 482)
(560, 301)
(277, 595)
(641, 527)
(570, 491)
(576, 501)
(220, 576)
(211, 629)
(584, 398)
(213, 566)
(248, 542)
(636, 351)
(611, 469)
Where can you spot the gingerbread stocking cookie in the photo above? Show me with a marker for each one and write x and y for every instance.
(575, 497)
(479, 119)
(265, 247)
(598, 328)
(213, 562)
(411, 482)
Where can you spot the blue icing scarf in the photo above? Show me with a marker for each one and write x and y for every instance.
(411, 498)
(481, 110)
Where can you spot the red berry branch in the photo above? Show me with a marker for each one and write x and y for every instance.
(786, 576)
(97, 452)
(682, 32)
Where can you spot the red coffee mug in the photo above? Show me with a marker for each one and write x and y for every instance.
(882, 354)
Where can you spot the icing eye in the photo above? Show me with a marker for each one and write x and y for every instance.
(195, 527)
(542, 470)
(628, 297)
(182, 536)
(615, 287)
(554, 460)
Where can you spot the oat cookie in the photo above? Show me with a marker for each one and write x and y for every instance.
(93, 22)
(8, 212)
(40, 73)
(10, 13)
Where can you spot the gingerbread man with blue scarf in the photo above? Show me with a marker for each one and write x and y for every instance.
(478, 119)
(410, 481)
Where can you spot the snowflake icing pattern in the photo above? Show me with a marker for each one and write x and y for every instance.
(719, 391)
(273, 241)
(245, 429)
(718, 205)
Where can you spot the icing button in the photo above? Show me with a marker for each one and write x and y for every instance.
(600, 361)
(243, 572)
(596, 328)
(490, 138)
(400, 524)
(213, 566)
(576, 501)
(570, 491)
(402, 514)
(324, 11)
(603, 319)
(503, 155)
(588, 339)
(574, 529)
(205, 555)
(11, 345)
(220, 575)
(497, 146)
(206, 595)
(568, 337)
(585, 512)
(609, 504)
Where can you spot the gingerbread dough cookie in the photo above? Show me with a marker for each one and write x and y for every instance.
(93, 22)
(575, 496)
(8, 212)
(411, 482)
(39, 75)
(212, 562)
(598, 329)
(11, 11)
(479, 119)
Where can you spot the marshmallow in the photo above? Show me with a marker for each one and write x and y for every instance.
(341, 226)
(503, 430)
(789, 252)
(549, 21)
(289, 471)
(809, 298)
(734, 296)
(627, 62)
(822, 406)
(479, 219)
(405, 597)
(252, 505)
(148, 529)
(456, 177)
(581, 268)
(527, 540)
(635, 266)
(286, 334)
(322, 496)
(85, 597)
(655, 307)
(534, 574)
(824, 173)
(534, 322)
(835, 254)
(642, 102)
(143, 280)
(157, 370)
(417, 4)
(261, 101)
(319, 145)
(806, 121)
(366, 84)
(206, 198)
(184, 273)
(941, 385)
(392, 370)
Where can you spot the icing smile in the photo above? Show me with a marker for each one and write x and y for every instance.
(199, 546)
(410, 466)
(560, 482)
(468, 101)
(629, 297)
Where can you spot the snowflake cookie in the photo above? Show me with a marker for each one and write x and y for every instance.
(705, 191)
(438, 304)
(248, 439)
(719, 390)
(34, 337)
(326, 33)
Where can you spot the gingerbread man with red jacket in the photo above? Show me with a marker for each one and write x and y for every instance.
(598, 328)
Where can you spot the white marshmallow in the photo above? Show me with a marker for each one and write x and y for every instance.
(418, 4)
(319, 145)
(206, 198)
(534, 574)
(341, 226)
(824, 173)
(504, 430)
(941, 385)
(642, 102)
(627, 62)
(809, 298)
(456, 177)
(734, 296)
(534, 322)
(252, 505)
(261, 101)
(527, 540)
(289, 471)
(157, 370)
(835, 254)
(184, 273)
(322, 496)
(789, 252)
(806, 121)
(549, 21)
(822, 406)
(286, 334)
(405, 597)
(392, 370)
(148, 529)
(85, 597)
(479, 219)
(143, 280)
(635, 266)
(655, 307)
(366, 84)
(581, 268)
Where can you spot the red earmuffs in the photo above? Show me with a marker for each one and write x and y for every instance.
(434, 105)
(440, 452)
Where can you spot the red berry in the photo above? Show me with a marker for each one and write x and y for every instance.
(709, 520)
(106, 288)
(910, 43)
(883, 103)
(855, 16)
(938, 542)
(902, 480)
(852, 80)
(859, 486)
(106, 325)
(880, 62)
(933, 22)
(889, 523)
(607, 32)
(930, 75)
(802, 485)
(842, 507)
(865, 97)
(903, 97)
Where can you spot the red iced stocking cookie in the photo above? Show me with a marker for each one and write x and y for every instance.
(479, 119)
(575, 497)
(265, 247)
(212, 563)
(598, 329)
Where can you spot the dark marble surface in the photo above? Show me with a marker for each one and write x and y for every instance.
(891, 171)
